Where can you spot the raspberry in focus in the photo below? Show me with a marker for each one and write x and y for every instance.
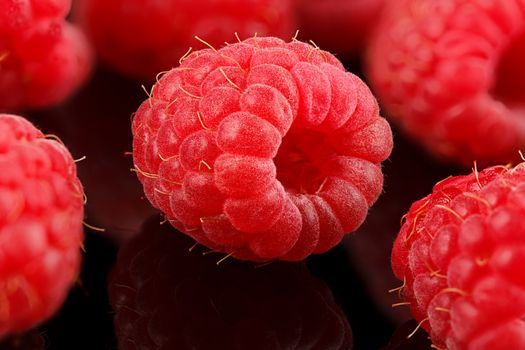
(451, 74)
(262, 149)
(43, 58)
(41, 213)
(460, 253)
(141, 38)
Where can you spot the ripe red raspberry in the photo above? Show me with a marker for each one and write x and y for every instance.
(41, 212)
(451, 74)
(43, 59)
(262, 149)
(460, 253)
(340, 26)
(167, 298)
(143, 37)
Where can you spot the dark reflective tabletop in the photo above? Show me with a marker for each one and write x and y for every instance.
(142, 288)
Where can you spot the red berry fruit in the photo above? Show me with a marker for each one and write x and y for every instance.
(167, 298)
(460, 253)
(143, 37)
(43, 59)
(262, 149)
(340, 26)
(451, 74)
(41, 213)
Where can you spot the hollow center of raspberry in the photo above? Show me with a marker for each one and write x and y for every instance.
(301, 160)
(509, 84)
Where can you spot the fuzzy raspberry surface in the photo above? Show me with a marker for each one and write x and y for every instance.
(339, 26)
(451, 74)
(43, 58)
(165, 297)
(41, 213)
(460, 253)
(262, 149)
(141, 38)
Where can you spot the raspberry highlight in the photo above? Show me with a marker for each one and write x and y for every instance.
(41, 213)
(262, 149)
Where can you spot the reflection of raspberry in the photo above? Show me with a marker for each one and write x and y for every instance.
(167, 298)
(461, 253)
(31, 340)
(451, 73)
(43, 59)
(263, 149)
(143, 37)
(340, 26)
(401, 339)
(41, 209)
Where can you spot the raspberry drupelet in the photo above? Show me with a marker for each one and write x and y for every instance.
(262, 149)
(43, 58)
(451, 74)
(41, 213)
(460, 253)
(140, 38)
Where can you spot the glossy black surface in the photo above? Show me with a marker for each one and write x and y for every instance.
(350, 281)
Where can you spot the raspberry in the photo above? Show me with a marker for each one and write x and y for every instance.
(43, 59)
(167, 298)
(140, 38)
(262, 149)
(451, 75)
(41, 211)
(460, 253)
(341, 26)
